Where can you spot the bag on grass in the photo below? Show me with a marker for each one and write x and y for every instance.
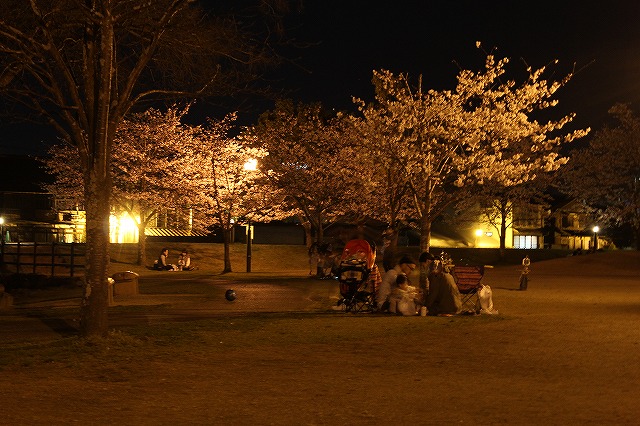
(486, 300)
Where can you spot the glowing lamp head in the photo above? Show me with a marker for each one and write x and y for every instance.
(251, 164)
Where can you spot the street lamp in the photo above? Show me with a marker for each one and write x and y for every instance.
(478, 234)
(596, 229)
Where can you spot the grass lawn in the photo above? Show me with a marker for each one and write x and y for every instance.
(563, 352)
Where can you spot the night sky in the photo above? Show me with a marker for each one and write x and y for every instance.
(349, 39)
(437, 38)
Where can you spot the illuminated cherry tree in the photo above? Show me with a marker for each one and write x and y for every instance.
(152, 168)
(313, 160)
(227, 187)
(606, 175)
(448, 141)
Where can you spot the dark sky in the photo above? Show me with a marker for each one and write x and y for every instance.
(349, 39)
(435, 38)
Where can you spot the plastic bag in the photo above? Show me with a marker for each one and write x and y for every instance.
(486, 300)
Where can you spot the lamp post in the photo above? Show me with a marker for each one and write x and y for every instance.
(249, 238)
(596, 229)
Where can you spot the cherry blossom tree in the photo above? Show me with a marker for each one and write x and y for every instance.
(83, 65)
(227, 189)
(483, 131)
(313, 160)
(606, 175)
(152, 168)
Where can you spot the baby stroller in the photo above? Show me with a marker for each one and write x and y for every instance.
(356, 262)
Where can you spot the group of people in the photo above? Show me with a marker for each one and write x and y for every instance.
(184, 262)
(395, 294)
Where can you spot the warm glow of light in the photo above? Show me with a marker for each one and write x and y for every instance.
(123, 229)
(489, 234)
(127, 225)
(251, 164)
(596, 229)
(479, 232)
(1, 220)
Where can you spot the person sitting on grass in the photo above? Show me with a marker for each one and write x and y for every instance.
(161, 264)
(405, 265)
(444, 297)
(184, 261)
(404, 299)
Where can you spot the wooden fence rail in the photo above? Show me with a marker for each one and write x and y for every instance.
(43, 258)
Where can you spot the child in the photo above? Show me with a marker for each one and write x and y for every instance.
(404, 299)
(184, 261)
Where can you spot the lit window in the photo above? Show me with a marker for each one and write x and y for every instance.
(525, 241)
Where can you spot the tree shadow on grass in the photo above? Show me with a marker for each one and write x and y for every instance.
(61, 326)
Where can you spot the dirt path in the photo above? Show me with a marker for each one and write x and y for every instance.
(563, 352)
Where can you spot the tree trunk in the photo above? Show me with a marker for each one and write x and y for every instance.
(425, 245)
(308, 234)
(95, 152)
(93, 311)
(503, 236)
(320, 233)
(142, 244)
(425, 234)
(390, 250)
(226, 241)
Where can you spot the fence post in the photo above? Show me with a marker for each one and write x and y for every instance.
(18, 256)
(53, 258)
(73, 245)
(35, 256)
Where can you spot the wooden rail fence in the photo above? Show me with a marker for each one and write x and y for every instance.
(43, 258)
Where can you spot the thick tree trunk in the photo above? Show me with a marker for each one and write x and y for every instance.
(93, 313)
(95, 152)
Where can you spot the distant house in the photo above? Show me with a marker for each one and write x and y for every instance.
(569, 226)
(528, 227)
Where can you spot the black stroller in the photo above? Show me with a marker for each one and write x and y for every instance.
(356, 263)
